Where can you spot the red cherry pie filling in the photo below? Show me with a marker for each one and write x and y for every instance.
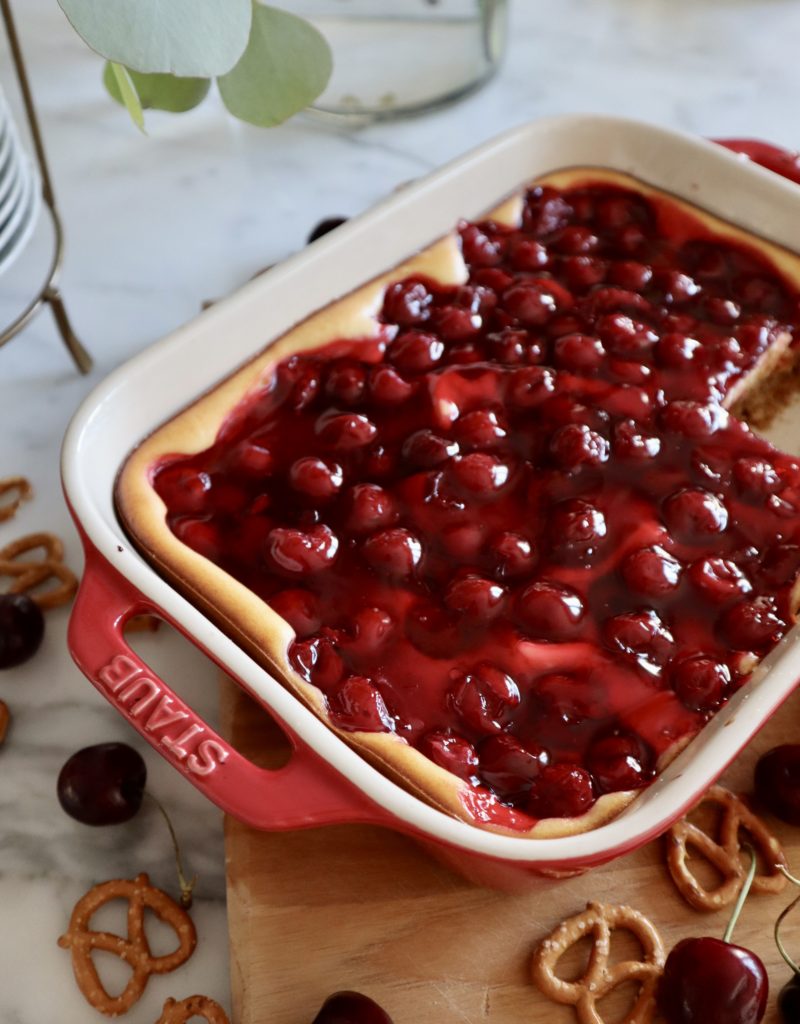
(519, 530)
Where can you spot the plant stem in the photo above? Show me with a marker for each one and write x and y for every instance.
(187, 887)
(751, 874)
(783, 915)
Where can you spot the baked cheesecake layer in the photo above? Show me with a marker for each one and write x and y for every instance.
(489, 515)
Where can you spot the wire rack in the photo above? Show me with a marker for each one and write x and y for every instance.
(49, 293)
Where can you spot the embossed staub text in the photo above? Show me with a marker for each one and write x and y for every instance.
(176, 729)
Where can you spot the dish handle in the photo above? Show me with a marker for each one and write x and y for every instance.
(305, 792)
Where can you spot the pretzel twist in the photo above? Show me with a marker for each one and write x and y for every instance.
(19, 489)
(193, 1006)
(27, 575)
(723, 853)
(134, 949)
(598, 921)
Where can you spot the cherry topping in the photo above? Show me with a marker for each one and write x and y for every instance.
(700, 682)
(475, 597)
(103, 784)
(560, 791)
(694, 514)
(651, 571)
(640, 635)
(481, 428)
(756, 477)
(550, 611)
(777, 782)
(512, 555)
(317, 661)
(317, 478)
(485, 698)
(394, 553)
(618, 763)
(351, 1008)
(575, 445)
(21, 629)
(370, 507)
(577, 352)
(508, 766)
(479, 475)
(345, 431)
(719, 580)
(300, 608)
(357, 706)
(452, 752)
(297, 552)
(533, 303)
(416, 351)
(752, 624)
(424, 450)
(407, 303)
(387, 386)
(576, 530)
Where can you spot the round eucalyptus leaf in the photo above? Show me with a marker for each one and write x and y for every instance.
(180, 37)
(285, 67)
(159, 92)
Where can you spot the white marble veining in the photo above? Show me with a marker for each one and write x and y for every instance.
(157, 224)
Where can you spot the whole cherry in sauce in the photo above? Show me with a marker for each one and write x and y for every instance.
(21, 629)
(712, 981)
(777, 782)
(351, 1008)
(103, 784)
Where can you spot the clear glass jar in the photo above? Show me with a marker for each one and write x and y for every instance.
(399, 57)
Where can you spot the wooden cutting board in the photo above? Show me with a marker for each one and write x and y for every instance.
(355, 907)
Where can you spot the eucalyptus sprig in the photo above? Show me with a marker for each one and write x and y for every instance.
(268, 64)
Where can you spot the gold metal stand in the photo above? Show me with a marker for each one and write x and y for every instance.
(49, 292)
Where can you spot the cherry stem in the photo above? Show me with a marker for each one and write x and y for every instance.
(751, 874)
(187, 887)
(781, 917)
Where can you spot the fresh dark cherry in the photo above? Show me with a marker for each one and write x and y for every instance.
(21, 629)
(351, 1008)
(777, 782)
(789, 1001)
(325, 226)
(103, 784)
(709, 981)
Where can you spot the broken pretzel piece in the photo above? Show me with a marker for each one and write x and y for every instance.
(134, 949)
(598, 921)
(192, 1006)
(723, 853)
(13, 491)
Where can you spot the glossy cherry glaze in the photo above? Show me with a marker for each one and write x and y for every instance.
(351, 1008)
(103, 784)
(520, 513)
(777, 782)
(708, 981)
(21, 629)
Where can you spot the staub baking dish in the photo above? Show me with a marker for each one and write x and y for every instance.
(325, 780)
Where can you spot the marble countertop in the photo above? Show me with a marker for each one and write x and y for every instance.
(157, 224)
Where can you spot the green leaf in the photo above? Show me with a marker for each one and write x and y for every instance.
(127, 94)
(180, 37)
(160, 92)
(285, 67)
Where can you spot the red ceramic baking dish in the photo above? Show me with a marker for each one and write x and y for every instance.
(326, 781)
